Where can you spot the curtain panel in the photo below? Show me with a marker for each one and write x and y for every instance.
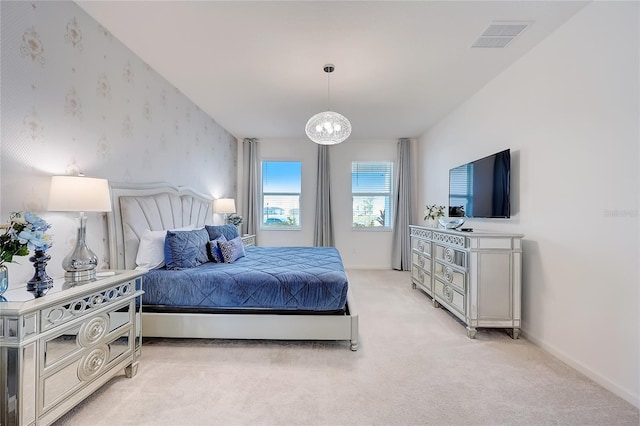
(251, 198)
(401, 245)
(323, 231)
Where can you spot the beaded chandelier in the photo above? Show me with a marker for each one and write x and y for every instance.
(328, 127)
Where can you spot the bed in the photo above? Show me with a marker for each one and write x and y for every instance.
(313, 300)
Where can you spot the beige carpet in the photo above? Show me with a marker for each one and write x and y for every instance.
(415, 366)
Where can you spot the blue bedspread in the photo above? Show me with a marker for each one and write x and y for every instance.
(284, 278)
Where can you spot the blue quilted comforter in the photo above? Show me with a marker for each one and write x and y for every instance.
(283, 278)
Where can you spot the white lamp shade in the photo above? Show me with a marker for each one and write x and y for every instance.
(79, 194)
(224, 205)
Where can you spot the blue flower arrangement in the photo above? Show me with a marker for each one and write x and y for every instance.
(23, 233)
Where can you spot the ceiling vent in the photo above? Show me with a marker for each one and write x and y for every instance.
(500, 34)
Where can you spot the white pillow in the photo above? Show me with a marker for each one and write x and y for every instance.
(151, 249)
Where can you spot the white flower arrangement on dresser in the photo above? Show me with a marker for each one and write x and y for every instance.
(432, 213)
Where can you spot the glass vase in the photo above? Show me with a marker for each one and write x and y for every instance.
(4, 279)
(41, 282)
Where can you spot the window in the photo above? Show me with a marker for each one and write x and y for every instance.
(281, 183)
(461, 190)
(371, 190)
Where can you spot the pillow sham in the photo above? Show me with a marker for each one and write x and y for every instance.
(186, 249)
(151, 248)
(229, 231)
(215, 255)
(232, 250)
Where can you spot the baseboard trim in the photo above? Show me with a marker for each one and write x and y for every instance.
(373, 268)
(598, 378)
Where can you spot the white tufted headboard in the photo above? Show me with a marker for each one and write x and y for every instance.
(136, 208)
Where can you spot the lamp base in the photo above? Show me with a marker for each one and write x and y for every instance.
(80, 264)
(75, 276)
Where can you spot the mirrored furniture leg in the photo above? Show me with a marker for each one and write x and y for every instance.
(57, 349)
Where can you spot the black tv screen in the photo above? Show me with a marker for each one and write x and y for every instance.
(481, 188)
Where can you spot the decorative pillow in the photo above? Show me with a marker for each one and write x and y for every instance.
(232, 250)
(186, 249)
(215, 255)
(151, 248)
(229, 231)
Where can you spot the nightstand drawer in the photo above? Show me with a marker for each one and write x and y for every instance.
(82, 368)
(93, 330)
(56, 316)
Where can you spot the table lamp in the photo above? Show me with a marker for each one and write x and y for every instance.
(79, 194)
(224, 206)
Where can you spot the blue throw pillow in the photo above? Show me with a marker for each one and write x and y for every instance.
(215, 231)
(232, 250)
(186, 249)
(215, 255)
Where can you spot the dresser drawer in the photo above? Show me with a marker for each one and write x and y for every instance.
(451, 255)
(450, 297)
(421, 278)
(421, 246)
(421, 261)
(450, 275)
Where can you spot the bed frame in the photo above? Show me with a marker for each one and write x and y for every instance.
(161, 206)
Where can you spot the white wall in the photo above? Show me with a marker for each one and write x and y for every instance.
(569, 112)
(358, 248)
(76, 99)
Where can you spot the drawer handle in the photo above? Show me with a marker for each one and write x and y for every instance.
(448, 294)
(92, 363)
(93, 330)
(420, 276)
(421, 261)
(420, 246)
(55, 315)
(448, 274)
(449, 255)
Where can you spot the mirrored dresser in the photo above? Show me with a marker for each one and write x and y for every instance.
(475, 275)
(57, 349)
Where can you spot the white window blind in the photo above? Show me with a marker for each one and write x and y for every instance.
(461, 187)
(371, 187)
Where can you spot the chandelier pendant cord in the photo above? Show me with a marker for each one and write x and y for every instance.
(328, 91)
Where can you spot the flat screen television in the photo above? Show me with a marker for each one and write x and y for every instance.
(481, 188)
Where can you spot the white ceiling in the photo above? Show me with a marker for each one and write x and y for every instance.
(257, 67)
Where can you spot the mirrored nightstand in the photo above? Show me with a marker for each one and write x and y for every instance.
(57, 349)
(249, 239)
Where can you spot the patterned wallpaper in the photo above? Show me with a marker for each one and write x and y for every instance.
(73, 98)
